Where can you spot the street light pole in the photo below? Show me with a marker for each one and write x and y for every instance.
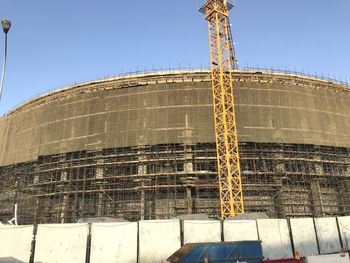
(6, 25)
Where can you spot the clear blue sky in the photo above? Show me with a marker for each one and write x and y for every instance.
(55, 43)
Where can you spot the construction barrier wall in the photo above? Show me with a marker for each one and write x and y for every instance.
(155, 240)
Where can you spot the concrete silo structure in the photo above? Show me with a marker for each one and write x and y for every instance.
(143, 147)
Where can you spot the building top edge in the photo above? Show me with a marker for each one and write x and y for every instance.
(186, 73)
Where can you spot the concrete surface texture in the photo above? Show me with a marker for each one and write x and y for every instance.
(158, 239)
(338, 258)
(304, 236)
(114, 243)
(327, 235)
(274, 234)
(15, 243)
(57, 243)
(240, 230)
(202, 231)
(344, 228)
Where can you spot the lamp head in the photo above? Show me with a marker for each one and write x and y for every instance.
(6, 25)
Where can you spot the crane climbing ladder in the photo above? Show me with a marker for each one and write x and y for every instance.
(223, 61)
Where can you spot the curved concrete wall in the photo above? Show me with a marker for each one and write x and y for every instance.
(173, 108)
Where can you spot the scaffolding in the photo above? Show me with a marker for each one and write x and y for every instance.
(165, 181)
(156, 157)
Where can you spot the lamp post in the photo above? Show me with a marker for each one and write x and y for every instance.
(6, 25)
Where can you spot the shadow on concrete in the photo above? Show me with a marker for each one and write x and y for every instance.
(13, 260)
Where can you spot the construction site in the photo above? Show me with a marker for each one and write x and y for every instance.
(142, 146)
(224, 164)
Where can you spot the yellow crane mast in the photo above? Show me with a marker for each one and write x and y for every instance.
(223, 61)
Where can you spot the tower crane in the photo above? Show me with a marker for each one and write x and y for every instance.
(223, 61)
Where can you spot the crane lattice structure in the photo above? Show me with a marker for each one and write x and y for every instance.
(223, 61)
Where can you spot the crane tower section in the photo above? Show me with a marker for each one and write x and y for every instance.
(223, 61)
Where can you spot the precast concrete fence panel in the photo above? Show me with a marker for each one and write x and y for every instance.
(61, 243)
(202, 231)
(15, 243)
(304, 236)
(274, 234)
(335, 258)
(113, 242)
(240, 230)
(158, 239)
(327, 235)
(344, 228)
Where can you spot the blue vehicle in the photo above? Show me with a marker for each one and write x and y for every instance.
(220, 252)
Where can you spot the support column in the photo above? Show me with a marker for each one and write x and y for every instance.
(344, 189)
(36, 175)
(318, 164)
(142, 171)
(189, 200)
(280, 179)
(319, 169)
(99, 175)
(65, 198)
(280, 167)
(188, 165)
(344, 196)
(317, 199)
(315, 188)
(38, 206)
(65, 203)
(188, 169)
(278, 204)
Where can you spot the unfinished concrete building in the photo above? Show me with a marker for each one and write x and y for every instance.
(143, 147)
